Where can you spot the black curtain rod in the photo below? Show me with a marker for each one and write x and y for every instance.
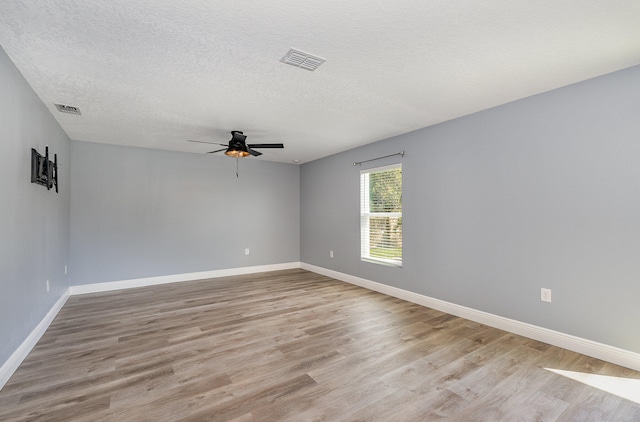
(379, 158)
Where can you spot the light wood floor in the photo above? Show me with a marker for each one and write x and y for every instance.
(292, 345)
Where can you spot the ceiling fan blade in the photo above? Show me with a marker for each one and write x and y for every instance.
(253, 152)
(265, 145)
(205, 142)
(218, 150)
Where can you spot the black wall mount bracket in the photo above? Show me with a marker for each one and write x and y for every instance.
(44, 171)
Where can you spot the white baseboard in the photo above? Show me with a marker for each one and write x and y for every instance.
(594, 349)
(174, 278)
(14, 361)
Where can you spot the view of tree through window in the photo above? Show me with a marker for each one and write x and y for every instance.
(381, 214)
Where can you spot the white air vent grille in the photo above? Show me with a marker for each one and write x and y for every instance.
(68, 109)
(301, 59)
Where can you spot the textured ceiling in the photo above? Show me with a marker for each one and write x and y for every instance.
(155, 73)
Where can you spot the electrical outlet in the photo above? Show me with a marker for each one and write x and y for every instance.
(545, 295)
(330, 254)
(65, 270)
(246, 251)
(47, 283)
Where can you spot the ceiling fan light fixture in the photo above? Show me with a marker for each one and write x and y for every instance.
(237, 153)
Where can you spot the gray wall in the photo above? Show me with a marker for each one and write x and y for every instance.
(142, 213)
(34, 222)
(541, 192)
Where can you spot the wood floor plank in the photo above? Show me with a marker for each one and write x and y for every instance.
(294, 346)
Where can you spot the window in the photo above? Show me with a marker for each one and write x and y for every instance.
(381, 215)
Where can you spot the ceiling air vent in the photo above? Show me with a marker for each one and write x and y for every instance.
(301, 59)
(68, 109)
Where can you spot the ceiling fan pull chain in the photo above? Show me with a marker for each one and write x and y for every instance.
(236, 167)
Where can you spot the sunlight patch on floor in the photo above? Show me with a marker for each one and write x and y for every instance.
(627, 388)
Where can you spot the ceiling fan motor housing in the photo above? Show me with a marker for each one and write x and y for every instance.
(237, 135)
(237, 146)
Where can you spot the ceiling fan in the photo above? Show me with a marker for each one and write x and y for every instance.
(237, 146)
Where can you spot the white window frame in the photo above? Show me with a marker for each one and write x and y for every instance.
(365, 214)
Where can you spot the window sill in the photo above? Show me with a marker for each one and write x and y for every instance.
(380, 261)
